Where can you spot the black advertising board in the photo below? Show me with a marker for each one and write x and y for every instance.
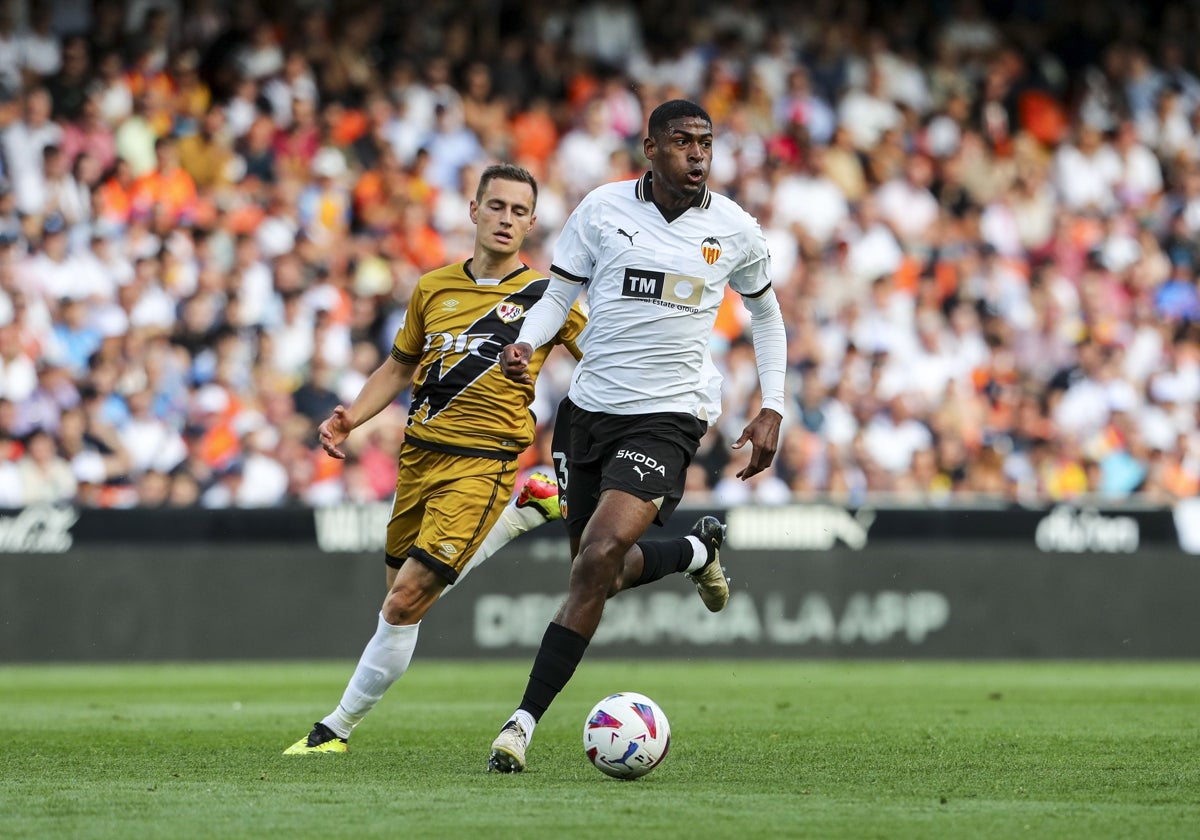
(811, 581)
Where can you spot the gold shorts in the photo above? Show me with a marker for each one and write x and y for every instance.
(445, 505)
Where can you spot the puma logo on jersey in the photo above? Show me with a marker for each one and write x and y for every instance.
(628, 236)
(641, 460)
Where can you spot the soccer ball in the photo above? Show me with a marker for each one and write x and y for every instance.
(626, 735)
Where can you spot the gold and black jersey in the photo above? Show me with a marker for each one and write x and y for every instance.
(454, 330)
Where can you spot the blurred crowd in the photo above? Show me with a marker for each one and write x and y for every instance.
(983, 221)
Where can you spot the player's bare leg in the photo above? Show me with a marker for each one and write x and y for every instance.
(619, 520)
(565, 641)
(536, 504)
(412, 590)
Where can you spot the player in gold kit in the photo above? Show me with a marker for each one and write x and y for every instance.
(466, 426)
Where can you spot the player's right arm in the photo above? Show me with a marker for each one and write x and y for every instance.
(380, 390)
(385, 383)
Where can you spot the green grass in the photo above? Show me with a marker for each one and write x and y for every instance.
(759, 750)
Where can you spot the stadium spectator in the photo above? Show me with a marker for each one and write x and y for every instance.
(12, 59)
(808, 203)
(167, 191)
(18, 372)
(136, 135)
(68, 88)
(41, 51)
(451, 146)
(867, 111)
(43, 476)
(24, 144)
(207, 154)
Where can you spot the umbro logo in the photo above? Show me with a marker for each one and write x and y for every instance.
(628, 236)
(450, 304)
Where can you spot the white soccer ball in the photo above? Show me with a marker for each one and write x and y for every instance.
(626, 735)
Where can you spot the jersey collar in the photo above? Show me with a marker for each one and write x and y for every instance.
(466, 267)
(645, 192)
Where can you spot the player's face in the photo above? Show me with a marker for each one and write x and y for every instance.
(503, 216)
(680, 158)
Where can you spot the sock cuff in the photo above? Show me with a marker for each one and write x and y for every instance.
(396, 635)
(528, 722)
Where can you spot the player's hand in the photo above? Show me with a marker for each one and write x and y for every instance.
(514, 362)
(334, 431)
(763, 435)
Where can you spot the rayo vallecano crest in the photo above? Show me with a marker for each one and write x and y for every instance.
(510, 312)
(711, 248)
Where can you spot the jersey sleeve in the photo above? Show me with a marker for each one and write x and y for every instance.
(410, 338)
(574, 258)
(753, 276)
(568, 336)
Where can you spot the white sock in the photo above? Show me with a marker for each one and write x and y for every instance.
(527, 723)
(384, 660)
(699, 554)
(513, 522)
(530, 518)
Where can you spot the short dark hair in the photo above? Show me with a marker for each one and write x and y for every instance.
(506, 172)
(674, 109)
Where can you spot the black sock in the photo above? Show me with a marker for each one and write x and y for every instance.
(561, 651)
(663, 557)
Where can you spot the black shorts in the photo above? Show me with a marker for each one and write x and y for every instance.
(645, 455)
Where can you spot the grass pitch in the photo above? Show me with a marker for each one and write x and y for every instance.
(759, 750)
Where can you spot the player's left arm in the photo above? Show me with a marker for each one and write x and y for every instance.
(752, 280)
(770, 355)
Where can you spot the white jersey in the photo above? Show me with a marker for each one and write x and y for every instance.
(653, 289)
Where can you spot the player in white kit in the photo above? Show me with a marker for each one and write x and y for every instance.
(656, 255)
